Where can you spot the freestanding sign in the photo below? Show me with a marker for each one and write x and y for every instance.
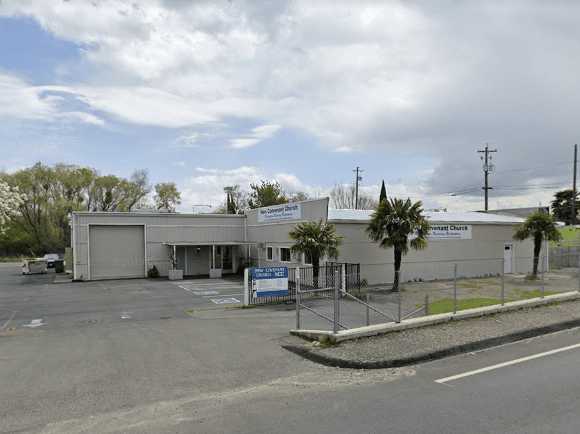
(269, 281)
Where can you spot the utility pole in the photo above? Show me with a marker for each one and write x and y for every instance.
(487, 168)
(358, 178)
(574, 185)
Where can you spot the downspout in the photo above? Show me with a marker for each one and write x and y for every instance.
(74, 244)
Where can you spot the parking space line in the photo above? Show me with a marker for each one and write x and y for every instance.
(8, 321)
(508, 363)
(222, 295)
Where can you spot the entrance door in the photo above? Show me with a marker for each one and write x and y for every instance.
(508, 258)
(227, 259)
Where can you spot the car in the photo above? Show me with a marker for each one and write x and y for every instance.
(50, 259)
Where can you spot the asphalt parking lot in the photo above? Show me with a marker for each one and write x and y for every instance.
(69, 351)
(75, 349)
(34, 301)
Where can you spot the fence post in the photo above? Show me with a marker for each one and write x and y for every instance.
(400, 301)
(297, 283)
(578, 273)
(246, 287)
(426, 304)
(502, 284)
(543, 289)
(368, 310)
(337, 284)
(343, 280)
(336, 308)
(454, 288)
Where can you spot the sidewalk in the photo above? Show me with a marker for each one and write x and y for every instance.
(429, 343)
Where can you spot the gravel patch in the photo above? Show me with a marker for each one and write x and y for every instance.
(419, 341)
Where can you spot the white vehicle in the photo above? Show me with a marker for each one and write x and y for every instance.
(34, 266)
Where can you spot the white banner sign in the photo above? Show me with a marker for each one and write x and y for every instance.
(450, 232)
(287, 211)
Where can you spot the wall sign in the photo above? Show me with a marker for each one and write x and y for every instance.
(450, 232)
(269, 281)
(287, 211)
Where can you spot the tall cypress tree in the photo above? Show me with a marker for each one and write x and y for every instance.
(383, 195)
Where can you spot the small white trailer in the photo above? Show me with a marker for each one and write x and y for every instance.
(34, 266)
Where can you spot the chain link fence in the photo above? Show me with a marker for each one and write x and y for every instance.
(454, 292)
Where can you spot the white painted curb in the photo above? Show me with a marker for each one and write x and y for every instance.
(424, 321)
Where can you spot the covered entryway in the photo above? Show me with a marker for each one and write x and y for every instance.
(208, 259)
(116, 251)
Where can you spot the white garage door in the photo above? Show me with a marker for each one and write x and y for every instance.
(117, 252)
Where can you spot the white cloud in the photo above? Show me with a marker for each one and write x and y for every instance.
(414, 78)
(206, 185)
(257, 135)
(20, 100)
(188, 140)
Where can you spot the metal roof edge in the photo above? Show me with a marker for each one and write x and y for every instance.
(154, 214)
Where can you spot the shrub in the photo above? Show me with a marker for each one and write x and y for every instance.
(153, 272)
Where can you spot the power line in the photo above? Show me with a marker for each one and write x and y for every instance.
(510, 187)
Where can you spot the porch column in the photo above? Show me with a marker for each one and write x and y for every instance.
(213, 256)
(174, 257)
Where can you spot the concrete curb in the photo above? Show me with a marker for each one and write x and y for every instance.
(380, 329)
(323, 359)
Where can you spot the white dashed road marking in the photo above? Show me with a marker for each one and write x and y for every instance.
(125, 315)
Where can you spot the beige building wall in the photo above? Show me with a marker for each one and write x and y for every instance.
(159, 229)
(480, 256)
(275, 234)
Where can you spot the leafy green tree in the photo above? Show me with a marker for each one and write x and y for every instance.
(10, 201)
(265, 194)
(167, 196)
(562, 206)
(399, 224)
(540, 226)
(383, 195)
(299, 196)
(53, 192)
(316, 240)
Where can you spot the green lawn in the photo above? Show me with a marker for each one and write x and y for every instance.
(446, 304)
(534, 293)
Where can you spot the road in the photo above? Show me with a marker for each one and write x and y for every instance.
(222, 371)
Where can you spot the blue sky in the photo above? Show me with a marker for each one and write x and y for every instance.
(209, 94)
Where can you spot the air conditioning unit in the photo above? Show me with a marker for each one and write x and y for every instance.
(261, 245)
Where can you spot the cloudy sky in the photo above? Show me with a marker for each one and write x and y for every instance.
(213, 93)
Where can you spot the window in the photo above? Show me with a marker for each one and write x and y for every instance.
(270, 253)
(307, 259)
(285, 254)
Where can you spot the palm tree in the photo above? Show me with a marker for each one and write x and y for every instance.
(540, 226)
(399, 224)
(315, 239)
